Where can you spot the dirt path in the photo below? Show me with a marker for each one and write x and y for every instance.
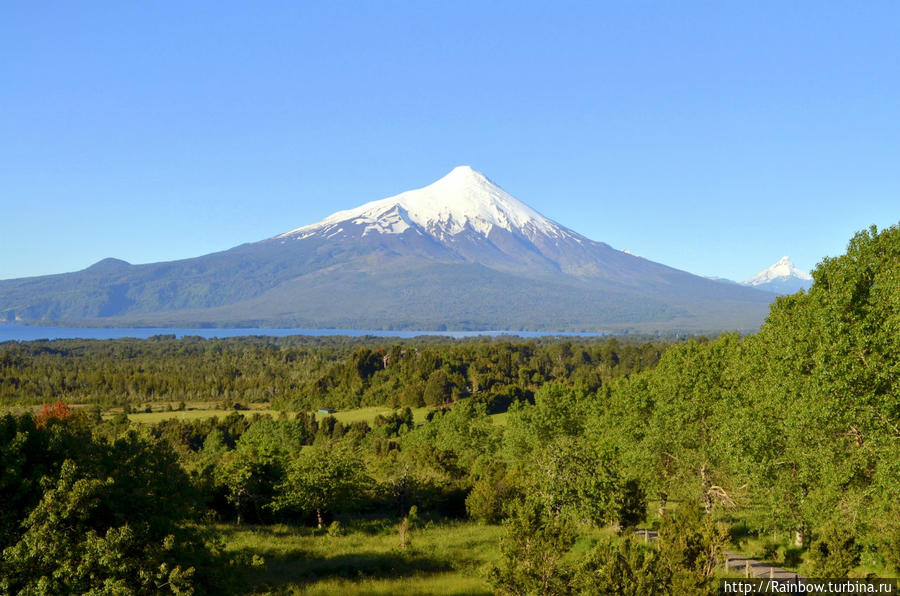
(741, 563)
(753, 568)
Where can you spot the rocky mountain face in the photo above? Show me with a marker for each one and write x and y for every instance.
(460, 253)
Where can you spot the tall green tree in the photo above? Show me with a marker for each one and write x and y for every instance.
(578, 480)
(322, 479)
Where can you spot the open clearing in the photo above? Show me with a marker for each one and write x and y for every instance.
(446, 558)
(199, 410)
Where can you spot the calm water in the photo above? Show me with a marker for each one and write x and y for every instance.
(23, 333)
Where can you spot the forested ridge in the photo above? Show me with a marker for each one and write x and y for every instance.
(785, 441)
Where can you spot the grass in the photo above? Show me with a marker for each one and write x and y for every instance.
(446, 558)
(194, 410)
(500, 419)
(199, 410)
(154, 417)
(369, 414)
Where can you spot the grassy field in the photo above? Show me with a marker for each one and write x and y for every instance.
(198, 410)
(368, 414)
(154, 417)
(446, 558)
(500, 419)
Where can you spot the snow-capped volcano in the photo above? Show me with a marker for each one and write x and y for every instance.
(460, 253)
(463, 217)
(462, 200)
(782, 278)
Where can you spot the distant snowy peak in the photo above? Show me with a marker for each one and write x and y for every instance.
(463, 199)
(783, 269)
(782, 278)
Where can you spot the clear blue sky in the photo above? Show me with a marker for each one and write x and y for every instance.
(710, 136)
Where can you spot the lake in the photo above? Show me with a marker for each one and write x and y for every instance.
(26, 333)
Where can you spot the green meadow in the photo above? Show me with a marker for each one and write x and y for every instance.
(367, 558)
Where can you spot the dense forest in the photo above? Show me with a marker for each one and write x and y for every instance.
(786, 441)
(300, 373)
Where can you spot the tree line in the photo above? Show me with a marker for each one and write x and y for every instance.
(298, 373)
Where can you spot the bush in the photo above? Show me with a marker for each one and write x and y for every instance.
(633, 505)
(335, 529)
(691, 545)
(793, 557)
(834, 553)
(769, 550)
(533, 552)
(486, 499)
(621, 567)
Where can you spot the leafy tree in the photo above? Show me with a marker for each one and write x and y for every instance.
(366, 362)
(461, 441)
(393, 424)
(576, 479)
(25, 457)
(632, 505)
(437, 389)
(109, 516)
(250, 473)
(70, 546)
(248, 482)
(834, 553)
(691, 545)
(274, 440)
(558, 411)
(320, 480)
(830, 362)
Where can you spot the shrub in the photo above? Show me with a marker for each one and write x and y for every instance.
(793, 557)
(691, 539)
(621, 567)
(633, 505)
(533, 552)
(834, 553)
(335, 529)
(769, 550)
(486, 499)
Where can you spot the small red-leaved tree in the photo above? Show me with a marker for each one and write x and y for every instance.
(57, 411)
